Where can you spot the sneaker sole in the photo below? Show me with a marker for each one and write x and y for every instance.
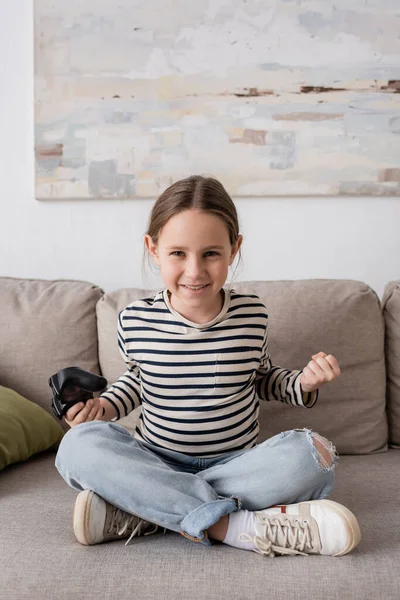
(80, 517)
(352, 526)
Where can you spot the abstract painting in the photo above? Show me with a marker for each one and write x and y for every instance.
(272, 97)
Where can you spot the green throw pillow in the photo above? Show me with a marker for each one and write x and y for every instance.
(25, 428)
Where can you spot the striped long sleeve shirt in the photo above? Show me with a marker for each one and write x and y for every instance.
(199, 384)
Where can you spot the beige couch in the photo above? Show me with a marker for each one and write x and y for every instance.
(48, 325)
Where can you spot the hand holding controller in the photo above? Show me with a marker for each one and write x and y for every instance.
(84, 413)
(73, 386)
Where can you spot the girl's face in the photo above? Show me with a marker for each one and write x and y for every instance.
(194, 253)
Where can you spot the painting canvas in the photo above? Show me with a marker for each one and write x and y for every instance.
(274, 98)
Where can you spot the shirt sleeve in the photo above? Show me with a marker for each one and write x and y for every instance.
(125, 393)
(276, 383)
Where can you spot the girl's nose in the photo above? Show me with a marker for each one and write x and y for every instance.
(194, 268)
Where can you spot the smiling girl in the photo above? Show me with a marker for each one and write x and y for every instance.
(198, 364)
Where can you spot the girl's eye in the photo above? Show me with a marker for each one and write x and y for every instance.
(177, 253)
(211, 253)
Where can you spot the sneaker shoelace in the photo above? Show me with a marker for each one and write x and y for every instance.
(294, 537)
(122, 521)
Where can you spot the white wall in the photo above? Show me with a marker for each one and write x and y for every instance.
(101, 241)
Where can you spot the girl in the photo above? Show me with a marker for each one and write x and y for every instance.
(198, 364)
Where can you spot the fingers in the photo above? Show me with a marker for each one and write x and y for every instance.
(99, 414)
(309, 381)
(81, 413)
(325, 366)
(73, 411)
(320, 354)
(334, 364)
(94, 410)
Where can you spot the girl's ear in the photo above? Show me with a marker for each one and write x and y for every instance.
(151, 248)
(235, 249)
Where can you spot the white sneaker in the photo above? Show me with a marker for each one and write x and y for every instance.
(96, 521)
(315, 527)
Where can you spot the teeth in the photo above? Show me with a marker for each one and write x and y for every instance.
(195, 287)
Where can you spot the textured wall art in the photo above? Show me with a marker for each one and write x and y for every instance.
(273, 97)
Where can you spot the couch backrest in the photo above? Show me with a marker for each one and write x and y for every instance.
(44, 327)
(391, 313)
(339, 317)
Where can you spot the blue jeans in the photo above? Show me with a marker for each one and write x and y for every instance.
(188, 494)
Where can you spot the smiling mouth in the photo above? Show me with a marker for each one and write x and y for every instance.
(195, 287)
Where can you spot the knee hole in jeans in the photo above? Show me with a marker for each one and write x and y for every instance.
(324, 451)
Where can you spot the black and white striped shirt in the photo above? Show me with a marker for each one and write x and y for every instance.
(199, 384)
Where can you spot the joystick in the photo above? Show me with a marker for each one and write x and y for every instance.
(72, 385)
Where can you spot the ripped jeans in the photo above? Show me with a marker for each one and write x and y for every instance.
(188, 494)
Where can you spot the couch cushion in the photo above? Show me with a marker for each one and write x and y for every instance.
(339, 317)
(44, 327)
(42, 560)
(391, 314)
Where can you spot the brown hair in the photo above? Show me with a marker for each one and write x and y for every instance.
(194, 192)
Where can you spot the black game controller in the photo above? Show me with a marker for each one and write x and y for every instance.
(72, 385)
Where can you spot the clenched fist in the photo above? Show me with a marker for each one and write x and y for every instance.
(320, 370)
